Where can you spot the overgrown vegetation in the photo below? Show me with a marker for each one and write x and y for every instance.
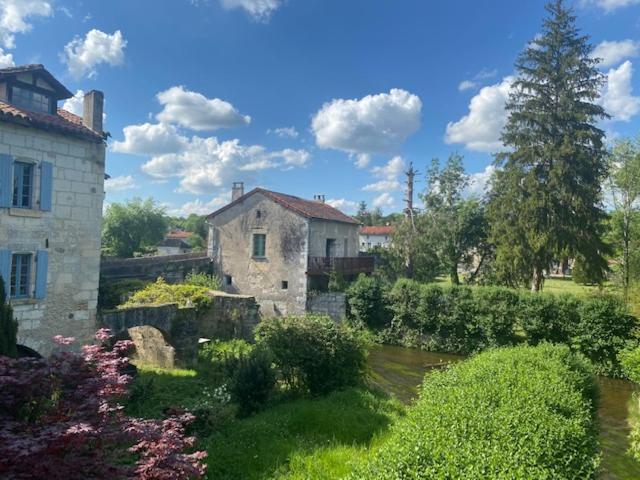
(8, 326)
(517, 413)
(161, 292)
(203, 280)
(110, 295)
(630, 360)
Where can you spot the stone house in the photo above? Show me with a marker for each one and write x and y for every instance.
(375, 236)
(278, 247)
(172, 246)
(52, 170)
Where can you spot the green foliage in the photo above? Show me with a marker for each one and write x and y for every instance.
(518, 413)
(110, 295)
(337, 283)
(404, 299)
(548, 318)
(584, 273)
(312, 353)
(546, 195)
(135, 226)
(160, 293)
(252, 381)
(203, 280)
(366, 302)
(8, 326)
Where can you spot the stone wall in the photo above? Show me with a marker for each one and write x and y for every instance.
(230, 316)
(333, 304)
(70, 233)
(173, 268)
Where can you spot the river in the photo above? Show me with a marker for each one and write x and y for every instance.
(399, 371)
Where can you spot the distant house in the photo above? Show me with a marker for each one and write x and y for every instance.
(52, 169)
(279, 247)
(375, 236)
(172, 246)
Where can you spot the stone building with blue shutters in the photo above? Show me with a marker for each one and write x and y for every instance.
(52, 169)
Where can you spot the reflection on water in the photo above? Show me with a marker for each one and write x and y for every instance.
(399, 371)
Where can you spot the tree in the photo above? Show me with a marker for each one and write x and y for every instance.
(455, 224)
(135, 226)
(624, 184)
(8, 326)
(546, 199)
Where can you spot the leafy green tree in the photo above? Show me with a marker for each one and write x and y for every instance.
(624, 184)
(455, 224)
(197, 224)
(8, 326)
(135, 226)
(546, 198)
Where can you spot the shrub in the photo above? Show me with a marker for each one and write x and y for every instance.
(547, 318)
(630, 362)
(516, 413)
(8, 326)
(337, 283)
(312, 353)
(110, 295)
(404, 299)
(496, 311)
(160, 293)
(367, 303)
(252, 381)
(61, 419)
(203, 280)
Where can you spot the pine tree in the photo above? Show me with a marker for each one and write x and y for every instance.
(546, 199)
(8, 326)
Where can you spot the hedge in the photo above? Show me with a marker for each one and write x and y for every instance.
(513, 413)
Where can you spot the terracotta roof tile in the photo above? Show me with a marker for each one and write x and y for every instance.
(377, 230)
(306, 208)
(65, 122)
(178, 234)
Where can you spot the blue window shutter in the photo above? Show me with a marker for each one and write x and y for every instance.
(46, 185)
(5, 269)
(6, 180)
(42, 265)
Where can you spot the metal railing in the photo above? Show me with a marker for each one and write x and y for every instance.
(344, 265)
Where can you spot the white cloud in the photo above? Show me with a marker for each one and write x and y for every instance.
(617, 98)
(284, 132)
(117, 184)
(151, 139)
(389, 174)
(258, 10)
(382, 186)
(384, 200)
(199, 207)
(344, 205)
(75, 104)
(467, 85)
(14, 17)
(475, 82)
(611, 5)
(363, 160)
(479, 181)
(373, 124)
(197, 112)
(6, 59)
(83, 55)
(612, 53)
(480, 129)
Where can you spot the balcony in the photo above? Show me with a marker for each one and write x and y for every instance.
(344, 265)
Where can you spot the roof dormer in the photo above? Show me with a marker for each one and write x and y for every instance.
(33, 88)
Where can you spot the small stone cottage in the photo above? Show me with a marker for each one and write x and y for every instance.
(52, 170)
(279, 247)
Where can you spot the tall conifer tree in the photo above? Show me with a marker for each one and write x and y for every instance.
(546, 200)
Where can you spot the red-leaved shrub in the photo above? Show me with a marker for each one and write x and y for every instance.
(61, 418)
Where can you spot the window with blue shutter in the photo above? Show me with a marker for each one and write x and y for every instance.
(5, 268)
(20, 275)
(6, 180)
(22, 185)
(42, 266)
(46, 185)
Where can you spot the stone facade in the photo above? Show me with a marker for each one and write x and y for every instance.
(70, 233)
(332, 304)
(173, 268)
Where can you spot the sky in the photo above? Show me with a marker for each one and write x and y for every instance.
(306, 97)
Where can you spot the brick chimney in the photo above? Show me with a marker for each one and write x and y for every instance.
(92, 110)
(319, 198)
(237, 190)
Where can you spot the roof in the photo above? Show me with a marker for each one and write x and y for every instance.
(61, 90)
(65, 122)
(377, 230)
(306, 208)
(174, 242)
(178, 234)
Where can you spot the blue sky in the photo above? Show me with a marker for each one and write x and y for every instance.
(307, 97)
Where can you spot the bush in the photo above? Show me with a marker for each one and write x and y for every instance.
(203, 280)
(513, 413)
(252, 381)
(496, 311)
(404, 299)
(160, 293)
(630, 361)
(367, 303)
(110, 295)
(547, 318)
(8, 326)
(312, 353)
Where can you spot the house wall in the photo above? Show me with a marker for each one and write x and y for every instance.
(374, 241)
(321, 230)
(70, 233)
(230, 244)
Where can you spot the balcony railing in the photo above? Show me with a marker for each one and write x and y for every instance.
(344, 265)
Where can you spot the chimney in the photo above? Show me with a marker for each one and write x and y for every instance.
(319, 198)
(92, 110)
(237, 190)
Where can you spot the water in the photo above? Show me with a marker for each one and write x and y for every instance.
(399, 371)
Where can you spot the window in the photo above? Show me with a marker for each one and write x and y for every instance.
(30, 100)
(22, 184)
(20, 273)
(285, 285)
(258, 214)
(259, 244)
(228, 279)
